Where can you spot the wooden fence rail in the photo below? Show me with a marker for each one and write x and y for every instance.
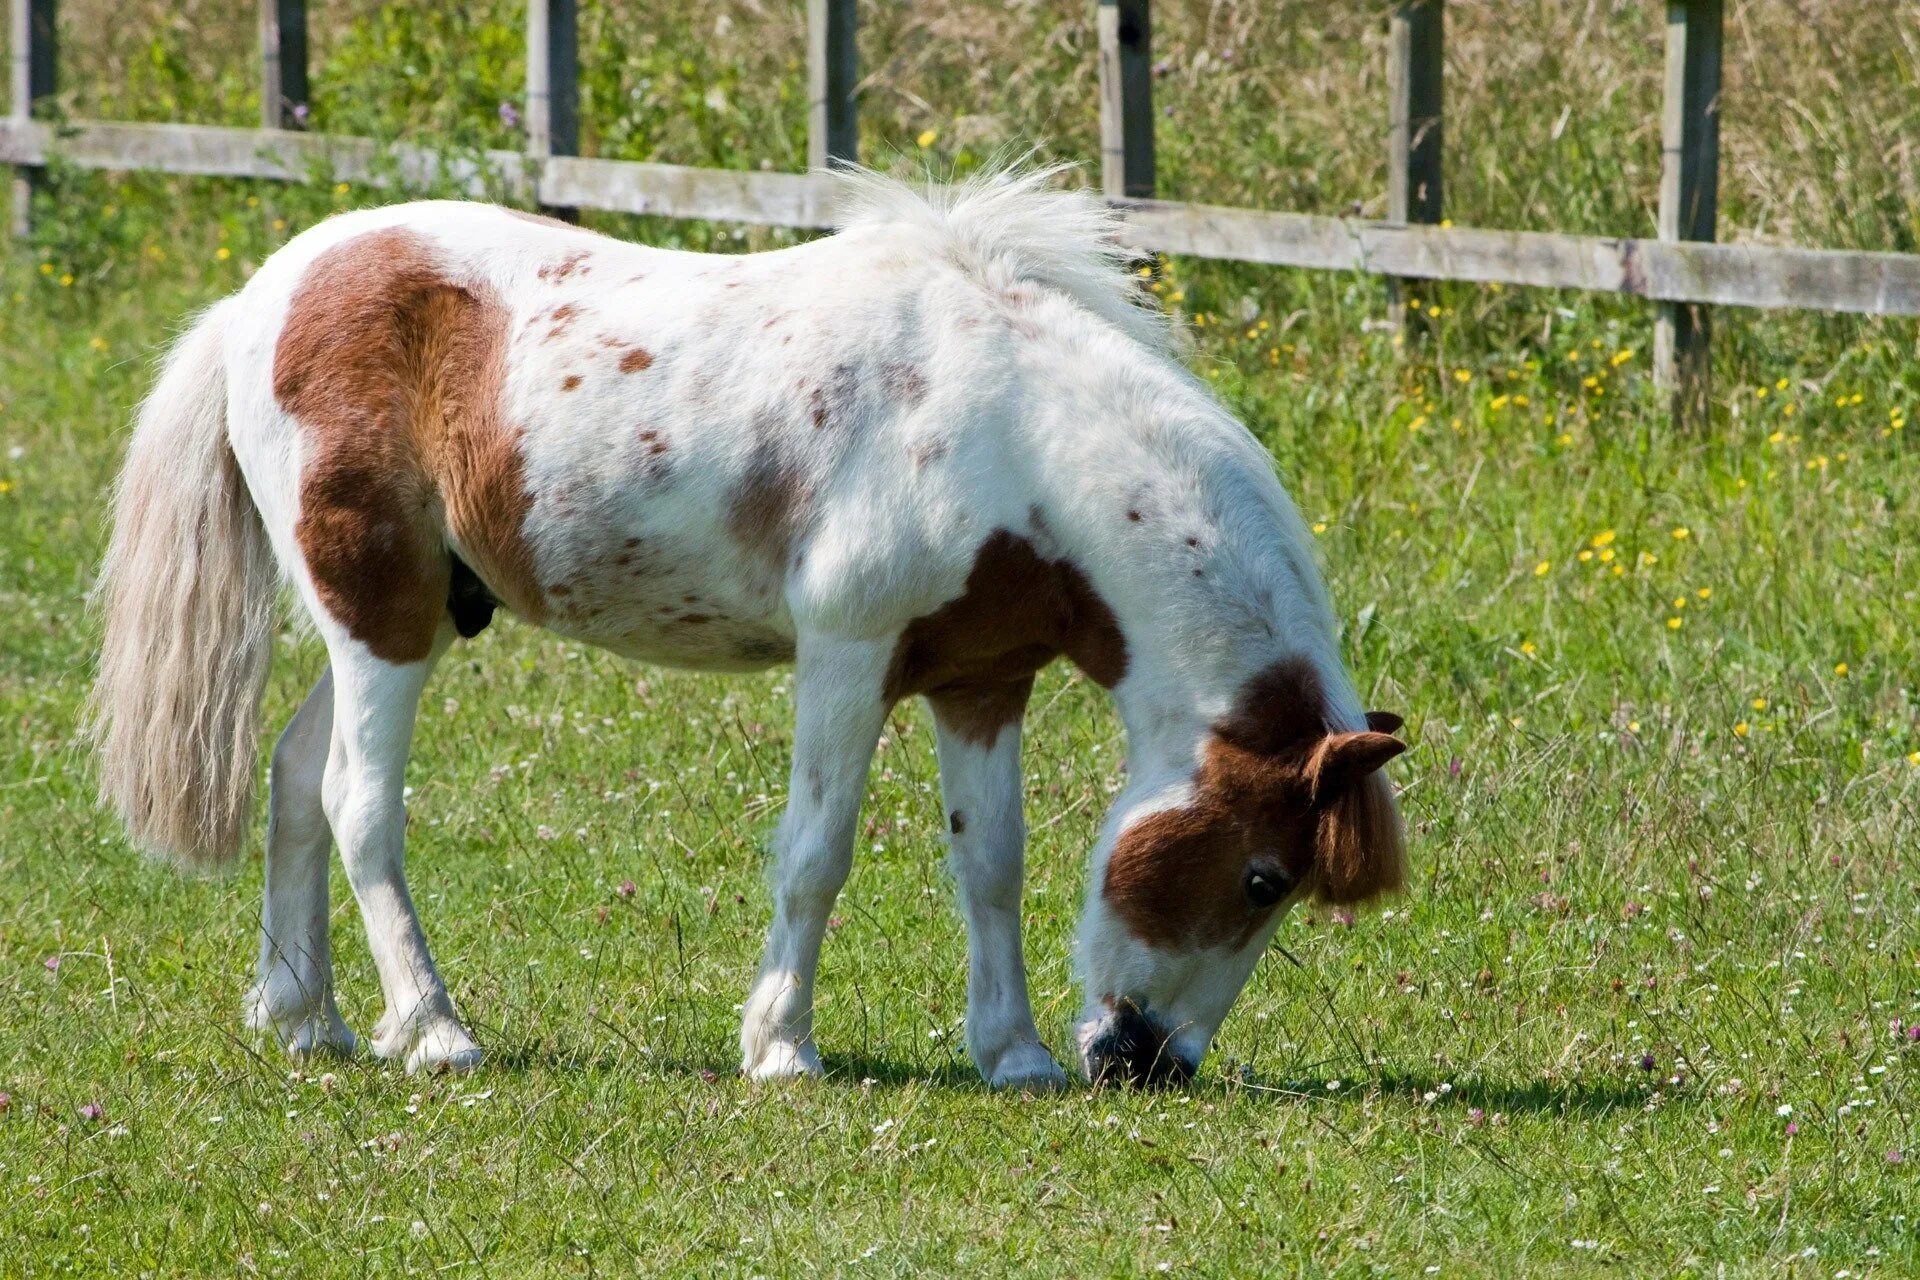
(1683, 270)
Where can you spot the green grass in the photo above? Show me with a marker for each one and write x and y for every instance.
(1665, 876)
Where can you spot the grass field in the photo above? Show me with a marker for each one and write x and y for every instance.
(1652, 1004)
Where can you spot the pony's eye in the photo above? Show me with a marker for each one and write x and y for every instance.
(1265, 888)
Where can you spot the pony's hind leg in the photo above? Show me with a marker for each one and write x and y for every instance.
(840, 709)
(977, 734)
(375, 703)
(293, 999)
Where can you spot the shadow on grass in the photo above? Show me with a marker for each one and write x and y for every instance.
(855, 1069)
(1538, 1097)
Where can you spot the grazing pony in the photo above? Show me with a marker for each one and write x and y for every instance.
(925, 455)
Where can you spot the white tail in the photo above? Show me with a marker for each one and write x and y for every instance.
(187, 594)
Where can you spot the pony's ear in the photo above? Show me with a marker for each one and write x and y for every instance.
(1342, 759)
(1384, 722)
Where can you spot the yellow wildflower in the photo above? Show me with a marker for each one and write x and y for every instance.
(1603, 538)
(1681, 533)
(1542, 569)
(1675, 623)
(926, 139)
(1742, 729)
(1462, 375)
(1759, 704)
(1840, 669)
(223, 253)
(1705, 593)
(1526, 647)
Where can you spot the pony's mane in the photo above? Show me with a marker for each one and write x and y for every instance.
(1007, 225)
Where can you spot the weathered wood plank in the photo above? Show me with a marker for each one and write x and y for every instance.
(1675, 271)
(1125, 29)
(1717, 274)
(833, 79)
(723, 195)
(283, 64)
(1689, 195)
(34, 41)
(214, 151)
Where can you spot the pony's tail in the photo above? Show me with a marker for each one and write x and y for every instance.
(187, 598)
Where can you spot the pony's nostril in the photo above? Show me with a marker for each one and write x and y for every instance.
(1129, 1048)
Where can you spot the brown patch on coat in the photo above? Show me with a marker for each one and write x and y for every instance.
(1278, 793)
(573, 264)
(905, 384)
(572, 381)
(767, 511)
(975, 656)
(395, 374)
(636, 359)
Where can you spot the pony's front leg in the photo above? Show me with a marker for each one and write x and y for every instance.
(977, 732)
(840, 708)
(375, 703)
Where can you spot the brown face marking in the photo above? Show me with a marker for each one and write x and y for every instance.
(635, 360)
(1276, 793)
(974, 657)
(395, 374)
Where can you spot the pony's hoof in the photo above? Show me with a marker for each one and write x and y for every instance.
(307, 1033)
(782, 1060)
(443, 1045)
(1028, 1068)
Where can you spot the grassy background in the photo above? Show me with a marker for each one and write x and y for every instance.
(1646, 1007)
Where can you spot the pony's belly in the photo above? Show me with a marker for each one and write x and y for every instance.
(683, 629)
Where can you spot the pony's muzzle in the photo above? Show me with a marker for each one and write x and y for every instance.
(1128, 1047)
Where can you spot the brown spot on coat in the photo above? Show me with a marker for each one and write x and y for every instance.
(768, 510)
(1276, 792)
(395, 372)
(572, 381)
(572, 264)
(905, 384)
(975, 656)
(635, 360)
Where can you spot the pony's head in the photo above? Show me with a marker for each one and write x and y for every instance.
(1194, 876)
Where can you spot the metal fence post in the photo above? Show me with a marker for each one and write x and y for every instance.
(1416, 45)
(283, 64)
(35, 46)
(1126, 99)
(1689, 196)
(553, 83)
(833, 75)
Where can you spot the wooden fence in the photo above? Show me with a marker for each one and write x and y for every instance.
(1682, 271)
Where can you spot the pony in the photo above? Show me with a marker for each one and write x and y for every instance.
(922, 456)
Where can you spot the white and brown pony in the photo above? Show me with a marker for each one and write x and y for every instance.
(925, 455)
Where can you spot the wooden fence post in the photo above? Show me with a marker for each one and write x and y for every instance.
(1416, 45)
(833, 76)
(553, 83)
(1689, 196)
(1126, 99)
(35, 44)
(283, 64)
